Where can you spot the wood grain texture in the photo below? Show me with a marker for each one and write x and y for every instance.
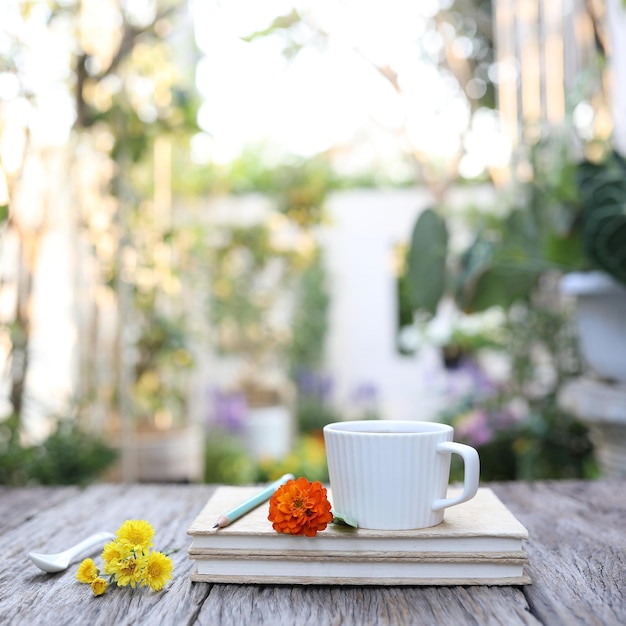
(28, 596)
(576, 546)
(22, 504)
(233, 605)
(577, 549)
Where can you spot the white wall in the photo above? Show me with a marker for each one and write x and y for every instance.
(365, 227)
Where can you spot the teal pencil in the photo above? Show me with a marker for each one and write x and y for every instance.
(243, 508)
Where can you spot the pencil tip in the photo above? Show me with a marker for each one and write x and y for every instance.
(221, 522)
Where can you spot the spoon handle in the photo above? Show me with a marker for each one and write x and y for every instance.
(89, 542)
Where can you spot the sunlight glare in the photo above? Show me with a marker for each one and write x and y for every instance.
(13, 137)
(321, 99)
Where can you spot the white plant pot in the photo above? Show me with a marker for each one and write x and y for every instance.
(601, 318)
(268, 432)
(602, 407)
(175, 455)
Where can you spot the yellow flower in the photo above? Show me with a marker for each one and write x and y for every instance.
(130, 571)
(158, 571)
(137, 534)
(128, 560)
(98, 586)
(87, 572)
(113, 553)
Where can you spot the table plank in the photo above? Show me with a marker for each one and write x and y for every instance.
(18, 505)
(39, 598)
(236, 605)
(577, 551)
(577, 548)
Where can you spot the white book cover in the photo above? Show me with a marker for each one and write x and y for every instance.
(332, 571)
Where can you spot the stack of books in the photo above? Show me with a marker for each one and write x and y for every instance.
(479, 542)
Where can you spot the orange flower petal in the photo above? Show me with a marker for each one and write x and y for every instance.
(300, 507)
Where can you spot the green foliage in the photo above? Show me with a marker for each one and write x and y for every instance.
(547, 444)
(518, 428)
(310, 318)
(146, 127)
(427, 261)
(250, 172)
(71, 456)
(299, 184)
(15, 460)
(493, 273)
(603, 191)
(540, 232)
(550, 442)
(226, 460)
(68, 456)
(473, 267)
(253, 266)
(552, 445)
(162, 364)
(134, 97)
(314, 412)
(308, 459)
(249, 273)
(302, 191)
(403, 298)
(513, 263)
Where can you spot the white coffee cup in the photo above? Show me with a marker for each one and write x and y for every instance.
(393, 475)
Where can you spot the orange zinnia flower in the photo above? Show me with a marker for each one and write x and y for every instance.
(300, 508)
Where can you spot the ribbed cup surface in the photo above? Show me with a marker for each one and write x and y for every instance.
(388, 481)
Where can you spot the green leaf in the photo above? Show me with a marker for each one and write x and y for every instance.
(603, 193)
(4, 212)
(476, 261)
(565, 251)
(427, 261)
(344, 520)
(500, 286)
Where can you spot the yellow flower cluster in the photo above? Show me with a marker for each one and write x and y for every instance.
(128, 560)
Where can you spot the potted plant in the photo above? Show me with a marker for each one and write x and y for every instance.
(251, 273)
(601, 293)
(570, 224)
(600, 400)
(512, 265)
(169, 447)
(159, 441)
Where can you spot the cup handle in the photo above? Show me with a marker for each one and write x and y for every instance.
(471, 473)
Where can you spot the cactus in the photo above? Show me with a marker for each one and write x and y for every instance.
(427, 261)
(602, 189)
(490, 272)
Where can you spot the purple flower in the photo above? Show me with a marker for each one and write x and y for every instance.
(365, 393)
(313, 384)
(474, 427)
(229, 410)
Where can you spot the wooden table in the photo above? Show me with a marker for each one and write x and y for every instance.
(577, 551)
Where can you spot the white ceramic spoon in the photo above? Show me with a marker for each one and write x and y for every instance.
(58, 562)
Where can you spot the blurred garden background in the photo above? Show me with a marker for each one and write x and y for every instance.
(226, 223)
